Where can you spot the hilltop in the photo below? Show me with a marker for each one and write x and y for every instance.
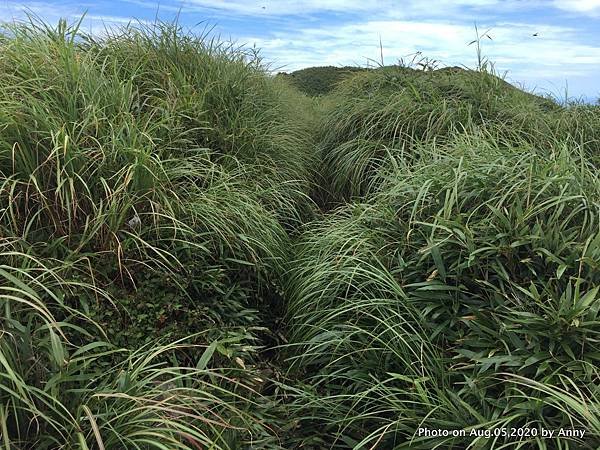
(318, 81)
(315, 81)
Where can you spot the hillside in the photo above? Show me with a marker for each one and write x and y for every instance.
(316, 81)
(197, 255)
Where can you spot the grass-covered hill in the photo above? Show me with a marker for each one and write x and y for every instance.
(316, 81)
(319, 81)
(196, 255)
(380, 114)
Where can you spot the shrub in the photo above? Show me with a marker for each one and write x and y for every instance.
(147, 180)
(317, 81)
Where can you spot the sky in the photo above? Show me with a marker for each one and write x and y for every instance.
(545, 46)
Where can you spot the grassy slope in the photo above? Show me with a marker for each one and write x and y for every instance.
(158, 244)
(146, 181)
(317, 81)
(455, 285)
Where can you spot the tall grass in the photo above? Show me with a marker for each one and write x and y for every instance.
(147, 180)
(383, 114)
(414, 308)
(145, 146)
(167, 281)
(59, 393)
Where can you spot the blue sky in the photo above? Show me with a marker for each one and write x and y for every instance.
(293, 34)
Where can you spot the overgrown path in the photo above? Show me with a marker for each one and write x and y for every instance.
(194, 254)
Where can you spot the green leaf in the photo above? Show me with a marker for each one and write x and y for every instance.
(58, 350)
(560, 270)
(588, 298)
(439, 262)
(207, 355)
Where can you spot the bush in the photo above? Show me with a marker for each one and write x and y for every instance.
(63, 386)
(157, 174)
(317, 81)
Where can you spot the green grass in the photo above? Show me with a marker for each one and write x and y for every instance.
(318, 81)
(57, 394)
(476, 263)
(383, 114)
(196, 255)
(130, 174)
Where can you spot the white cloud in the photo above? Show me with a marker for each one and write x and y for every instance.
(15, 10)
(113, 19)
(266, 7)
(295, 34)
(372, 8)
(354, 42)
(290, 7)
(582, 6)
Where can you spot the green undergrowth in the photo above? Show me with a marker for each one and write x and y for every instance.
(65, 385)
(383, 114)
(149, 181)
(196, 255)
(449, 298)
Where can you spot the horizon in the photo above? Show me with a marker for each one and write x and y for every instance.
(549, 47)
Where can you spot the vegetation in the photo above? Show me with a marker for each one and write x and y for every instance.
(197, 255)
(147, 182)
(317, 81)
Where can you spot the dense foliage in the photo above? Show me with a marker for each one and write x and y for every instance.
(147, 180)
(196, 255)
(454, 285)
